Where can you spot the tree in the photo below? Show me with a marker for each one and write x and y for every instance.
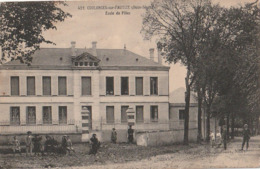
(178, 25)
(22, 25)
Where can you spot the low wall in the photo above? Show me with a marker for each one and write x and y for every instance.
(158, 138)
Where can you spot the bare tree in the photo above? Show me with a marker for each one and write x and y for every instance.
(180, 27)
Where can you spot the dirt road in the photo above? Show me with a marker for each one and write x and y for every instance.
(199, 157)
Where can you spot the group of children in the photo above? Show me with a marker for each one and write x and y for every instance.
(37, 145)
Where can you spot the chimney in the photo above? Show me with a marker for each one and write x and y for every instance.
(73, 50)
(94, 48)
(159, 50)
(151, 54)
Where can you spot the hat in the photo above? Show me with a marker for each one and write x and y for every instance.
(113, 129)
(245, 125)
(29, 132)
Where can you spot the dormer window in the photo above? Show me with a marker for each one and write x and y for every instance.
(85, 60)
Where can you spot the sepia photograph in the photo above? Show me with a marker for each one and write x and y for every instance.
(128, 84)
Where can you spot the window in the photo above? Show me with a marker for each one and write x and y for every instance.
(62, 86)
(139, 85)
(15, 116)
(181, 114)
(15, 86)
(124, 114)
(81, 63)
(86, 85)
(110, 85)
(76, 63)
(46, 85)
(154, 113)
(62, 114)
(31, 115)
(139, 114)
(124, 86)
(110, 114)
(47, 117)
(30, 85)
(154, 86)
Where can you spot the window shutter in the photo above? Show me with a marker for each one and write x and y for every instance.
(86, 85)
(15, 86)
(139, 86)
(163, 85)
(30, 85)
(46, 85)
(62, 86)
(110, 118)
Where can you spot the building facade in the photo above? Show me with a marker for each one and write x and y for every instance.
(83, 91)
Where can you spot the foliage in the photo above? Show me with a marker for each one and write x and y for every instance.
(22, 25)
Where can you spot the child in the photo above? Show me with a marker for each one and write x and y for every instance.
(69, 145)
(212, 138)
(95, 144)
(16, 145)
(218, 138)
(37, 144)
(29, 144)
(113, 136)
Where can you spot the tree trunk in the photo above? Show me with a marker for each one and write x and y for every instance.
(208, 123)
(228, 126)
(232, 125)
(199, 114)
(187, 107)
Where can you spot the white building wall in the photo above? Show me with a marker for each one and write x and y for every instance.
(74, 100)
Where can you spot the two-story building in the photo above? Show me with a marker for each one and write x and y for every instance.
(81, 91)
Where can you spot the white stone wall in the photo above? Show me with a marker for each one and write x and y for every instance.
(74, 100)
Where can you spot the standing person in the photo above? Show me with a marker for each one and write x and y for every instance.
(29, 143)
(224, 136)
(218, 138)
(94, 144)
(37, 144)
(113, 136)
(69, 145)
(64, 144)
(130, 134)
(16, 145)
(246, 137)
(48, 145)
(212, 138)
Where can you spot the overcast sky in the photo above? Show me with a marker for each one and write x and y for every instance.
(113, 31)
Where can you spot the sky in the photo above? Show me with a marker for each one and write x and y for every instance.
(112, 31)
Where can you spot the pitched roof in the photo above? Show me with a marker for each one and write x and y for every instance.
(61, 57)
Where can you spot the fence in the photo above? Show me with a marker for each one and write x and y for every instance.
(95, 125)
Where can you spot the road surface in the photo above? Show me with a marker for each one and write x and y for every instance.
(199, 157)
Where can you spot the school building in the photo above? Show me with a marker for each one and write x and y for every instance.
(82, 91)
